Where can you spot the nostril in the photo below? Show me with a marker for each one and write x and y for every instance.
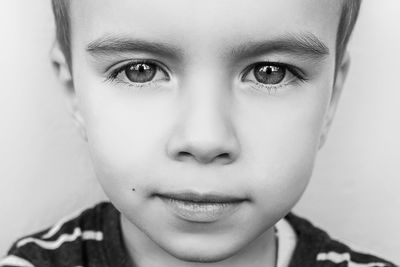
(205, 158)
(183, 155)
(224, 156)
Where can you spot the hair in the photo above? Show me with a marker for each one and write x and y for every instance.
(350, 11)
(348, 18)
(63, 27)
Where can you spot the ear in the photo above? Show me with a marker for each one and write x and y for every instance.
(340, 78)
(64, 75)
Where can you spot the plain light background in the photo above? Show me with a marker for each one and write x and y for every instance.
(45, 171)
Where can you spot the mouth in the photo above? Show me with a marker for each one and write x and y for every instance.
(201, 198)
(201, 208)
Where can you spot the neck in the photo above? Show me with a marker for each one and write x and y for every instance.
(144, 252)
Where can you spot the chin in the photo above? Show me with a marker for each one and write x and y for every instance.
(201, 250)
(194, 255)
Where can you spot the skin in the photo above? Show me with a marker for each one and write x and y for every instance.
(204, 129)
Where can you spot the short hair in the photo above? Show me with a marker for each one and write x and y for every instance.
(350, 10)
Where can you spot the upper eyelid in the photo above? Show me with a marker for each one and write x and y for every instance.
(291, 68)
(122, 64)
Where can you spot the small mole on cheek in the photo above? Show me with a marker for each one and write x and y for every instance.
(134, 189)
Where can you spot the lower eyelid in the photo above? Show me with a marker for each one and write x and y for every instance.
(273, 89)
(270, 87)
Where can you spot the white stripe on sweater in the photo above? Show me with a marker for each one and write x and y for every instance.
(287, 240)
(341, 257)
(54, 229)
(46, 244)
(12, 260)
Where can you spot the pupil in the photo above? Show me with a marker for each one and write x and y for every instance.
(269, 74)
(140, 72)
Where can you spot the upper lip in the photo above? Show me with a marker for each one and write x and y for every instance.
(201, 198)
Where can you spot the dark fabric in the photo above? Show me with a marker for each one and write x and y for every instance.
(313, 241)
(104, 219)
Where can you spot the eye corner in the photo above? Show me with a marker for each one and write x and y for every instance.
(246, 72)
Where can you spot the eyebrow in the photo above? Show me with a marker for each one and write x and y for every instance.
(305, 45)
(116, 44)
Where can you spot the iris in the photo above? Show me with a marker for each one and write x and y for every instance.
(140, 72)
(269, 74)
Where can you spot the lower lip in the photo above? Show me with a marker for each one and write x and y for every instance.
(200, 212)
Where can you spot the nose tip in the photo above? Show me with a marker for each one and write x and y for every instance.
(204, 145)
(206, 153)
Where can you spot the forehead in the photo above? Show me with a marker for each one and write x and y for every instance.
(207, 23)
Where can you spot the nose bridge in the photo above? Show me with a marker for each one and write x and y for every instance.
(206, 117)
(205, 101)
(204, 131)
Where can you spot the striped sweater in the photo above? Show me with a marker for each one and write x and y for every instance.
(93, 239)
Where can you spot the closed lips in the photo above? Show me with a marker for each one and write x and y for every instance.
(201, 198)
(201, 208)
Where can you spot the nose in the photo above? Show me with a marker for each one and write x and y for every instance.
(204, 132)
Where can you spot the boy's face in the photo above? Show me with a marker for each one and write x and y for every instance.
(229, 98)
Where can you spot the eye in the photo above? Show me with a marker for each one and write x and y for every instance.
(139, 73)
(271, 75)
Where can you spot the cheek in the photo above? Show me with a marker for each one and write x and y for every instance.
(126, 132)
(282, 138)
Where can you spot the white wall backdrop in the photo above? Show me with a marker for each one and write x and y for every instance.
(45, 171)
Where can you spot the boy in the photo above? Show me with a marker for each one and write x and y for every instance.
(203, 120)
